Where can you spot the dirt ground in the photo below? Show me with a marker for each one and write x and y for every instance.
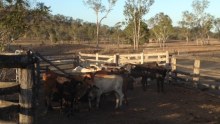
(177, 105)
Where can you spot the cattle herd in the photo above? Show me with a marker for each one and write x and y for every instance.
(93, 82)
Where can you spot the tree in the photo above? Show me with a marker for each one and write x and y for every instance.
(207, 25)
(12, 20)
(118, 26)
(186, 24)
(144, 31)
(202, 21)
(161, 25)
(16, 17)
(98, 7)
(134, 10)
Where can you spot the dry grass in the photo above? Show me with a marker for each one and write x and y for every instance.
(171, 46)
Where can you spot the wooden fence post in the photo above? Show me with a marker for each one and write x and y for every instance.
(196, 71)
(97, 58)
(26, 95)
(167, 57)
(142, 58)
(116, 59)
(173, 69)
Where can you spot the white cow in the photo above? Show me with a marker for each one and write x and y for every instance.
(86, 69)
(105, 83)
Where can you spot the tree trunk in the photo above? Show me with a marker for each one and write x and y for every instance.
(208, 40)
(135, 30)
(97, 29)
(138, 33)
(187, 39)
(118, 42)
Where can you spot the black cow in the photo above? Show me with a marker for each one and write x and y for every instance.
(146, 71)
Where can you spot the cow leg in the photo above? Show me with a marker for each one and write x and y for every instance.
(158, 85)
(162, 84)
(90, 104)
(125, 99)
(144, 83)
(98, 99)
(76, 105)
(119, 98)
(48, 104)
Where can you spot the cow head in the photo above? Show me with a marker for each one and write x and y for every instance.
(129, 67)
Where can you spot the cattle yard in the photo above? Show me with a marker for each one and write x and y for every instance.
(184, 99)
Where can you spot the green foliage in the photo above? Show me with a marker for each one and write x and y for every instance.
(162, 28)
(139, 7)
(198, 23)
(99, 7)
(144, 31)
(16, 18)
(134, 11)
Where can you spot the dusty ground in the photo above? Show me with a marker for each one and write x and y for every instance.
(177, 105)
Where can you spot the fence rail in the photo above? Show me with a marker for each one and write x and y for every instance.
(120, 59)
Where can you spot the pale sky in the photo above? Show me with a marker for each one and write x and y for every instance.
(174, 8)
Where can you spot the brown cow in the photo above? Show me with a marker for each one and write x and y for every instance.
(59, 87)
(50, 87)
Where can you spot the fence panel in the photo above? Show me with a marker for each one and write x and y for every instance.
(204, 71)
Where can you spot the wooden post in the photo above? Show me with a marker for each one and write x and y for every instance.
(37, 88)
(173, 69)
(173, 64)
(116, 59)
(142, 58)
(26, 96)
(196, 71)
(167, 58)
(77, 59)
(97, 58)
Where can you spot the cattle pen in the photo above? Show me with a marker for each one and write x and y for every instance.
(184, 68)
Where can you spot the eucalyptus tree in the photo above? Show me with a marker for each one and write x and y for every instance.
(144, 33)
(134, 11)
(186, 24)
(118, 26)
(207, 25)
(200, 22)
(162, 28)
(99, 7)
(203, 20)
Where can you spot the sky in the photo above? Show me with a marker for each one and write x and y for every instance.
(173, 8)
